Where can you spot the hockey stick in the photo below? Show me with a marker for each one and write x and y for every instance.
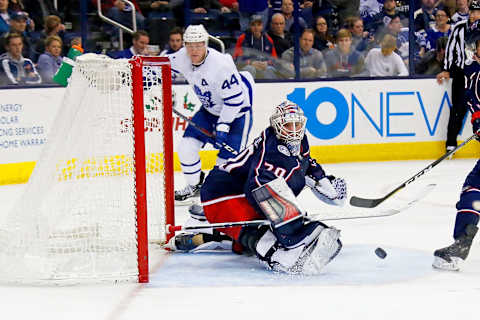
(314, 217)
(372, 203)
(173, 229)
(206, 132)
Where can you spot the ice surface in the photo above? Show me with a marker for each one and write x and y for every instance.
(357, 284)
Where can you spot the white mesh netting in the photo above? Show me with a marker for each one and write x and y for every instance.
(77, 218)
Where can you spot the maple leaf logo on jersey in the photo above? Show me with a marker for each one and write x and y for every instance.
(204, 97)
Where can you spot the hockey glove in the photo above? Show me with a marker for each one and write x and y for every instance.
(329, 189)
(476, 124)
(221, 134)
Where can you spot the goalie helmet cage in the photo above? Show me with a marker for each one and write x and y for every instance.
(109, 157)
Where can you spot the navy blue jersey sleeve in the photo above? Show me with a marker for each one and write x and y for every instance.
(310, 166)
(472, 86)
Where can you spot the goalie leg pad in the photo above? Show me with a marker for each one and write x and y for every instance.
(310, 257)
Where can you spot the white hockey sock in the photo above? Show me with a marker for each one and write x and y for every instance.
(190, 159)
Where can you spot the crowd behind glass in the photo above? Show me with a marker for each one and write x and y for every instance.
(336, 38)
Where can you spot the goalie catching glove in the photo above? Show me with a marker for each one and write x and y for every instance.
(329, 189)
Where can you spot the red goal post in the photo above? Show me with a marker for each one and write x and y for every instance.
(138, 63)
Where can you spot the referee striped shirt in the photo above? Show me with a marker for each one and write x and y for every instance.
(455, 50)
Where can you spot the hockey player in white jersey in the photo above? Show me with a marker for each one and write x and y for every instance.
(226, 97)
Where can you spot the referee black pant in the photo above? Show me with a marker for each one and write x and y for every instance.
(459, 108)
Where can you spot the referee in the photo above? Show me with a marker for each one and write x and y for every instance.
(455, 57)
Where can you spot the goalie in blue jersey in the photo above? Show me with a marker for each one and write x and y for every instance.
(262, 182)
(468, 207)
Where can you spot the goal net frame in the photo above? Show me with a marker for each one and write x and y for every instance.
(138, 62)
(84, 214)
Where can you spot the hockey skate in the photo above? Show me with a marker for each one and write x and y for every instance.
(186, 195)
(448, 149)
(450, 258)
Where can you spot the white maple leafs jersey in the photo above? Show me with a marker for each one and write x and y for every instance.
(216, 82)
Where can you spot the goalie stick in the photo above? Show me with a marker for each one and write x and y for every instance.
(372, 203)
(325, 216)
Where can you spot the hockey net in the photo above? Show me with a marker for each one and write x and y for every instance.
(108, 158)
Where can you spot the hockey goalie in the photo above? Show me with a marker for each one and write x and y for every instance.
(262, 182)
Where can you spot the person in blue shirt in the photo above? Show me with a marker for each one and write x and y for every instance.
(140, 41)
(4, 17)
(16, 68)
(50, 61)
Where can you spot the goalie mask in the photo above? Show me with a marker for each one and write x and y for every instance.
(289, 122)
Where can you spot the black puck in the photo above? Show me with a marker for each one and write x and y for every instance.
(380, 253)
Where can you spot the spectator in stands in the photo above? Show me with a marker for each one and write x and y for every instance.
(362, 41)
(282, 39)
(140, 41)
(369, 8)
(255, 52)
(461, 12)
(381, 62)
(248, 8)
(208, 6)
(440, 29)
(165, 6)
(425, 16)
(287, 11)
(175, 42)
(4, 17)
(50, 61)
(160, 5)
(53, 26)
(17, 69)
(312, 63)
(76, 41)
(395, 28)
(344, 60)
(323, 39)
(16, 5)
(39, 9)
(121, 12)
(380, 21)
(432, 62)
(345, 8)
(324, 9)
(230, 4)
(18, 24)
